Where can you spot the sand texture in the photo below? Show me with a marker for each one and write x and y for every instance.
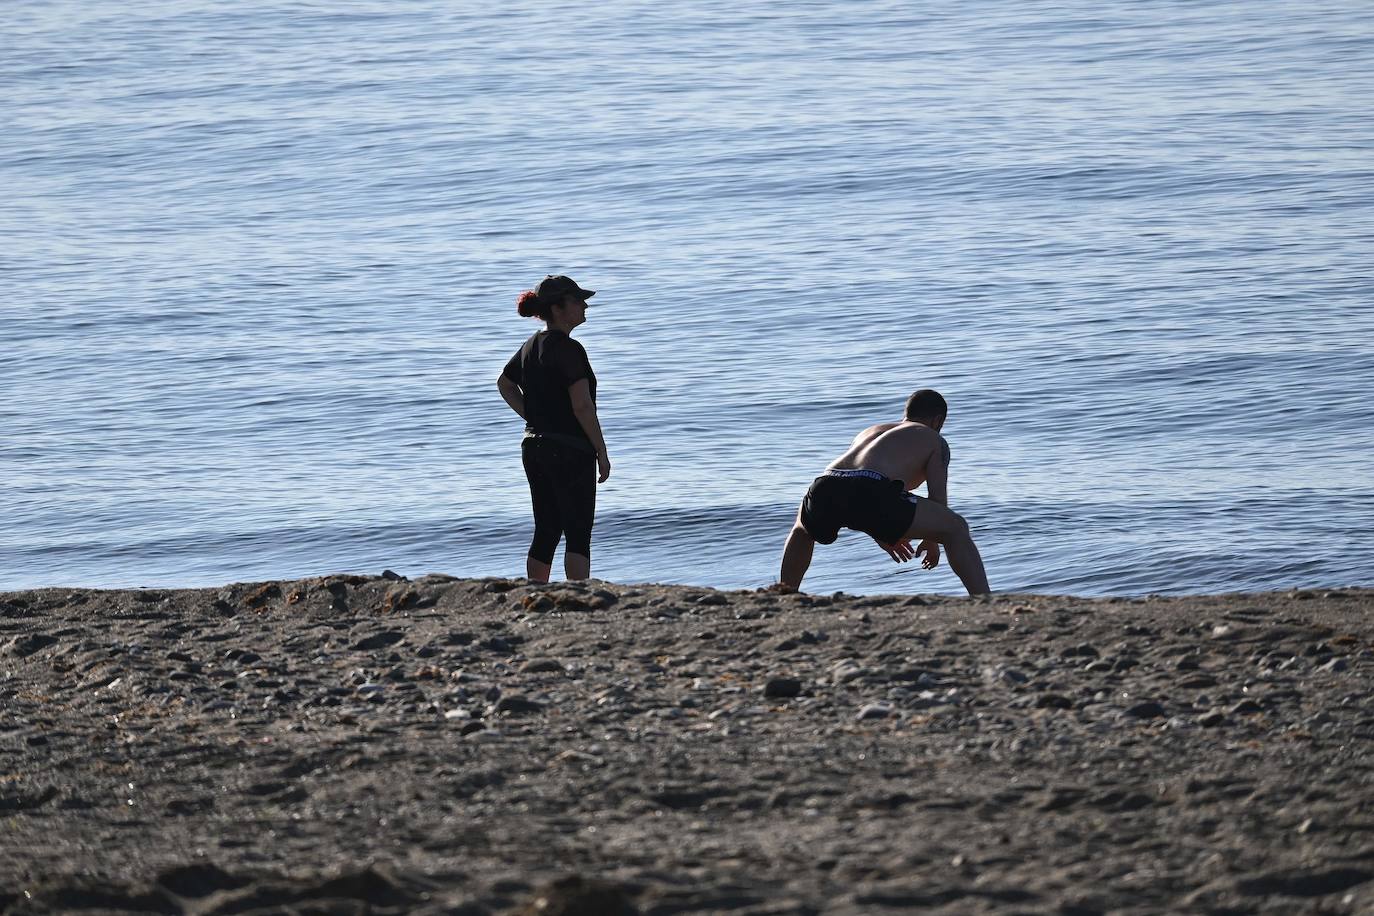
(360, 744)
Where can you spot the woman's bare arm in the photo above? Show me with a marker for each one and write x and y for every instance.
(513, 395)
(584, 408)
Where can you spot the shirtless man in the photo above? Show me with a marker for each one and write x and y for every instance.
(867, 489)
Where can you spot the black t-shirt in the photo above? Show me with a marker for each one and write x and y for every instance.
(544, 368)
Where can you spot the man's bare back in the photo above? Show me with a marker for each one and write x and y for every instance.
(908, 451)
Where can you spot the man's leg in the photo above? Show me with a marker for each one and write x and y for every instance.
(943, 524)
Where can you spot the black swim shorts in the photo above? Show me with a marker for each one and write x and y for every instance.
(862, 500)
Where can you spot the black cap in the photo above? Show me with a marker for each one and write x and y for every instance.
(556, 286)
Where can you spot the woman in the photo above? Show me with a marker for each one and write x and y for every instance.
(550, 384)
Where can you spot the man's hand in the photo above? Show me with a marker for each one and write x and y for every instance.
(900, 552)
(603, 467)
(931, 549)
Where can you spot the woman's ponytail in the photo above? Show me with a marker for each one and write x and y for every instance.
(528, 305)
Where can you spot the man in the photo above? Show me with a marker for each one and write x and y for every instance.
(867, 489)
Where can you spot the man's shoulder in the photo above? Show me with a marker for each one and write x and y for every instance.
(869, 433)
(917, 437)
(907, 430)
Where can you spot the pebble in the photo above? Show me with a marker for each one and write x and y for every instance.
(875, 711)
(379, 640)
(24, 646)
(516, 705)
(1005, 675)
(845, 671)
(782, 687)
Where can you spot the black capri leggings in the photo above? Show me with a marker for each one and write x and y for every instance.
(563, 491)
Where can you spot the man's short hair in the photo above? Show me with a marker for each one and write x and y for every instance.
(926, 404)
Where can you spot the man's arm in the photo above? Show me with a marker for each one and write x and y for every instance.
(513, 395)
(937, 488)
(796, 557)
(937, 473)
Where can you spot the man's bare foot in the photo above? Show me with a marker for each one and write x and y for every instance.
(779, 588)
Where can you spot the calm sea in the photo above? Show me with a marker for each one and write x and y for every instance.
(259, 263)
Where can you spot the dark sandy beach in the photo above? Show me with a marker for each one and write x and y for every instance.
(374, 744)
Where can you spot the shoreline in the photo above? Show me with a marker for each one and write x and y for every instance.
(367, 744)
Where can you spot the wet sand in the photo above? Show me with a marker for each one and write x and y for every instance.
(374, 744)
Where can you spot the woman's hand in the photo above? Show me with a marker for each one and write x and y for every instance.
(603, 467)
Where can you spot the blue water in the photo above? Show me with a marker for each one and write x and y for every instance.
(259, 263)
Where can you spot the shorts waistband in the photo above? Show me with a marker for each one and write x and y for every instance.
(855, 472)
